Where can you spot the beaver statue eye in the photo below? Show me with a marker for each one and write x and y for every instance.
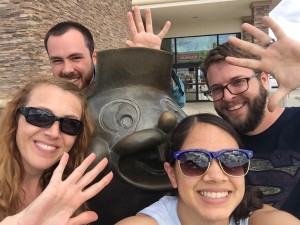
(118, 115)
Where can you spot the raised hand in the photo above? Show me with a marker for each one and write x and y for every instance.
(281, 58)
(140, 36)
(61, 198)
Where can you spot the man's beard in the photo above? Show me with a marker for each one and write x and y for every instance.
(255, 114)
(86, 80)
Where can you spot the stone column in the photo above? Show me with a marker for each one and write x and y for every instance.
(245, 35)
(24, 24)
(260, 9)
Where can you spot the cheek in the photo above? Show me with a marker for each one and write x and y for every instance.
(56, 69)
(185, 183)
(24, 133)
(68, 142)
(239, 184)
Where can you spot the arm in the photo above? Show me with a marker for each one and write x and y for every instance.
(140, 36)
(61, 198)
(281, 58)
(271, 216)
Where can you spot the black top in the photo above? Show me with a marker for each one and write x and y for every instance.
(276, 164)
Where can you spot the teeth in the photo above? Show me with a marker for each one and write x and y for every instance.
(46, 147)
(73, 80)
(235, 107)
(214, 195)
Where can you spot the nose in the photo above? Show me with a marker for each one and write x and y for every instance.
(214, 172)
(68, 67)
(53, 131)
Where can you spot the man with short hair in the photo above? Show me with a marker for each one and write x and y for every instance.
(238, 84)
(71, 50)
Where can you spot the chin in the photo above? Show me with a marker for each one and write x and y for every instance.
(217, 214)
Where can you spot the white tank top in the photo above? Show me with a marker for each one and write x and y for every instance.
(164, 212)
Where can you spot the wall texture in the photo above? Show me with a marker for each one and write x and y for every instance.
(24, 23)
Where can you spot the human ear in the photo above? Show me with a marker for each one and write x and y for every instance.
(94, 56)
(171, 174)
(265, 80)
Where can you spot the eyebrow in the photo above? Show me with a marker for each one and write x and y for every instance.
(232, 79)
(69, 56)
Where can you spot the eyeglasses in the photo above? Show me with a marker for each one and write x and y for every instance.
(196, 162)
(41, 118)
(235, 87)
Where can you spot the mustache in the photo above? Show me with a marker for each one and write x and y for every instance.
(71, 75)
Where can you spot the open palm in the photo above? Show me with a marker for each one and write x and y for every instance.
(281, 59)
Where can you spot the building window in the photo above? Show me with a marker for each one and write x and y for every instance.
(194, 49)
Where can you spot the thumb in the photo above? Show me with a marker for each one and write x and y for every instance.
(278, 96)
(129, 43)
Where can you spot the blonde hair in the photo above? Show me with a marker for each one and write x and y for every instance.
(11, 167)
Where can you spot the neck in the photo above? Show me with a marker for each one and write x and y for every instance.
(188, 216)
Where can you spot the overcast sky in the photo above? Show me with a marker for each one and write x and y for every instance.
(287, 15)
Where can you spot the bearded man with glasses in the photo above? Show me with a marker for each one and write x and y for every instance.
(238, 86)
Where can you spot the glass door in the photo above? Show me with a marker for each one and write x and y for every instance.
(193, 80)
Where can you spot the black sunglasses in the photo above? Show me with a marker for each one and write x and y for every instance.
(195, 162)
(42, 118)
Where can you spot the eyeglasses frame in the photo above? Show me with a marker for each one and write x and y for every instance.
(206, 93)
(212, 155)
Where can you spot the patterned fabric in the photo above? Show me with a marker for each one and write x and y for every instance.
(275, 167)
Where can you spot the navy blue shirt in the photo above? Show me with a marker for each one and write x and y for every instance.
(276, 165)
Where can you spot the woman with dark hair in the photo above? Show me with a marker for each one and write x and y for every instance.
(45, 130)
(206, 165)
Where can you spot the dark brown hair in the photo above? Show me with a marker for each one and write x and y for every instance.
(219, 53)
(63, 27)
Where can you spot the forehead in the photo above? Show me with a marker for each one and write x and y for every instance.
(209, 137)
(222, 73)
(56, 100)
(69, 42)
